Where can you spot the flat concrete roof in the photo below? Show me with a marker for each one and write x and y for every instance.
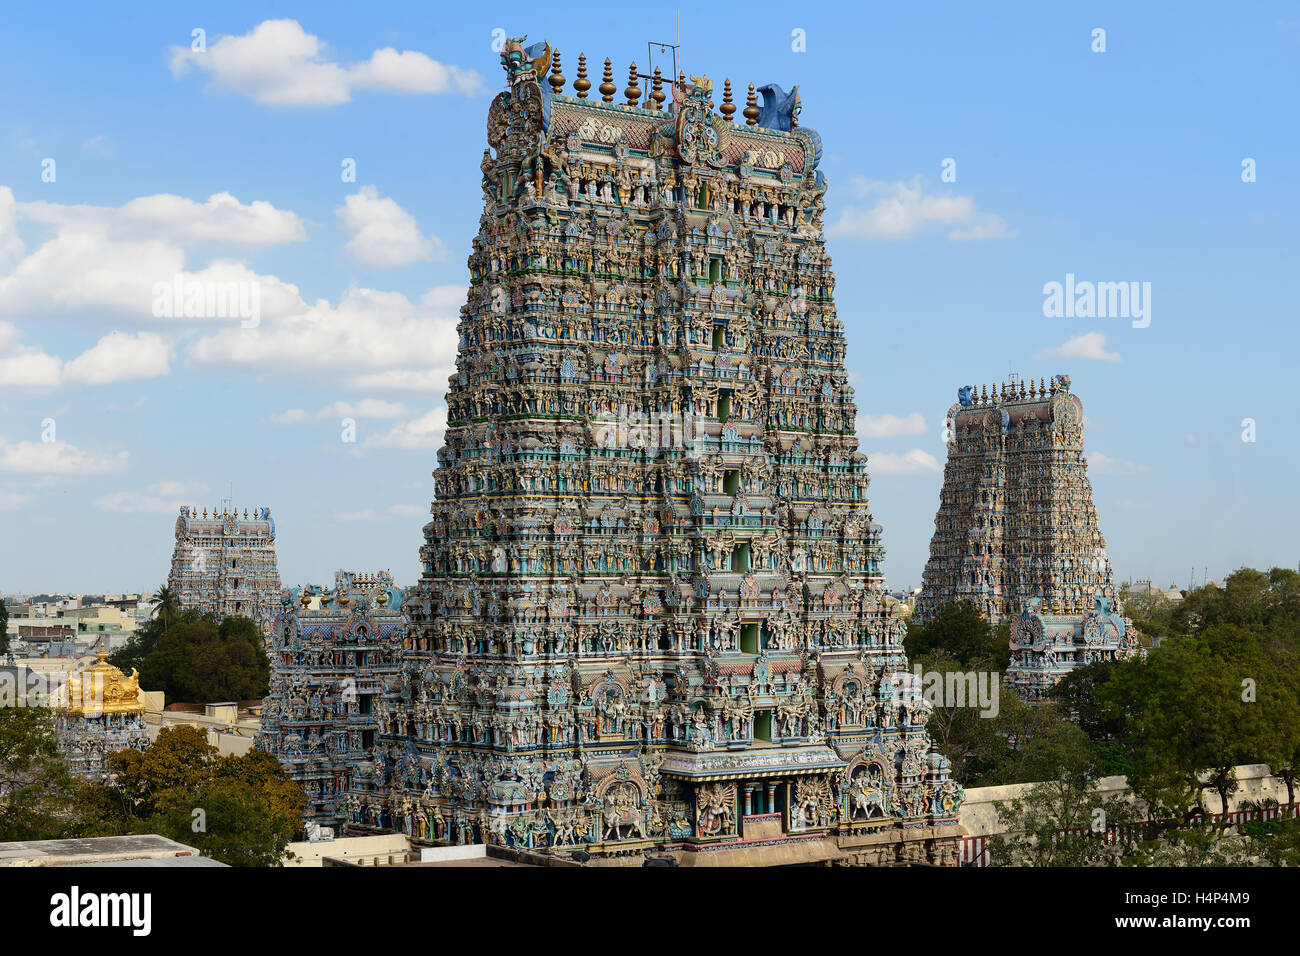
(147, 849)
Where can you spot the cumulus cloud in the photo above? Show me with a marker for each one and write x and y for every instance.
(366, 408)
(23, 366)
(113, 261)
(423, 432)
(359, 342)
(1090, 345)
(383, 233)
(56, 458)
(890, 426)
(280, 64)
(903, 209)
(1105, 465)
(164, 216)
(11, 246)
(914, 462)
(117, 357)
(163, 498)
(120, 357)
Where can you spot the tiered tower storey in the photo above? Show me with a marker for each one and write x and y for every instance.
(652, 612)
(1016, 534)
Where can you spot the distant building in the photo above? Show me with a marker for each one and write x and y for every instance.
(1016, 534)
(225, 564)
(336, 657)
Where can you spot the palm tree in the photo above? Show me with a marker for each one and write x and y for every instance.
(165, 606)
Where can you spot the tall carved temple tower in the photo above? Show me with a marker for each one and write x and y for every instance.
(651, 611)
(225, 564)
(1016, 534)
(335, 658)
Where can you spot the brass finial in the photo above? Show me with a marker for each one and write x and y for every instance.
(582, 84)
(656, 91)
(607, 87)
(727, 107)
(557, 78)
(984, 394)
(633, 92)
(750, 112)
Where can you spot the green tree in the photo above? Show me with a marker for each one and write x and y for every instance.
(1194, 709)
(1151, 611)
(242, 810)
(958, 632)
(200, 661)
(145, 639)
(1064, 822)
(37, 792)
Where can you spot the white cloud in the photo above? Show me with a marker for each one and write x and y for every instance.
(383, 233)
(163, 498)
(26, 367)
(108, 261)
(912, 462)
(11, 246)
(366, 408)
(119, 357)
(1105, 465)
(9, 500)
(364, 342)
(56, 458)
(890, 426)
(902, 209)
(986, 225)
(278, 63)
(423, 432)
(164, 216)
(1090, 345)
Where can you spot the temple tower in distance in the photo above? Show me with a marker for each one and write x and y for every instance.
(1016, 534)
(225, 564)
(652, 614)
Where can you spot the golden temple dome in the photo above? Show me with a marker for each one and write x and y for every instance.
(103, 689)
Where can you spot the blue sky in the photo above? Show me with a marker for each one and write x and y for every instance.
(1122, 165)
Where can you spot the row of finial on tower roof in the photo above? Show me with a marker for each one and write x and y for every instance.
(224, 513)
(1010, 394)
(654, 99)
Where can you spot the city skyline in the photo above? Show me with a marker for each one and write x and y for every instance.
(179, 163)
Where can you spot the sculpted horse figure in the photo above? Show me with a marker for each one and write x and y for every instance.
(622, 820)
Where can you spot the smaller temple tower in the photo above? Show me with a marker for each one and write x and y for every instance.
(224, 564)
(335, 659)
(103, 713)
(1016, 534)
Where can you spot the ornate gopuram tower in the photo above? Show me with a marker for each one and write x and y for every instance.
(225, 564)
(336, 658)
(651, 615)
(1016, 534)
